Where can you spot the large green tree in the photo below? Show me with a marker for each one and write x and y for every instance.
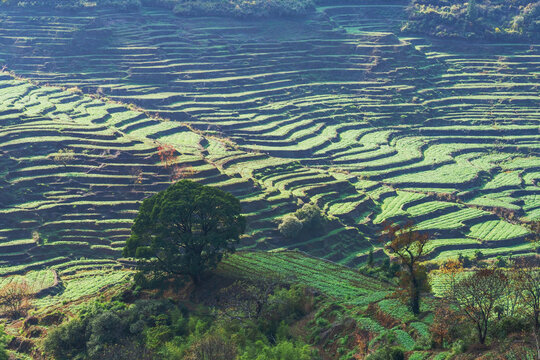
(185, 230)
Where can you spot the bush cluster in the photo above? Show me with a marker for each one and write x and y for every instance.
(100, 326)
(308, 218)
(162, 329)
(482, 19)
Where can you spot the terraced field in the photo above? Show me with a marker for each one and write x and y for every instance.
(334, 280)
(335, 109)
(359, 293)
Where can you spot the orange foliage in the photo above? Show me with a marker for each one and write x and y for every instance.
(169, 160)
(444, 318)
(362, 340)
(452, 267)
(166, 154)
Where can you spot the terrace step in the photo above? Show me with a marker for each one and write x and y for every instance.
(296, 101)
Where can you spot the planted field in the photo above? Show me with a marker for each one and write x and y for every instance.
(334, 280)
(84, 284)
(38, 281)
(343, 285)
(74, 190)
(334, 109)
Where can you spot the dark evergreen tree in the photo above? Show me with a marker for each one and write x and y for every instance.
(185, 230)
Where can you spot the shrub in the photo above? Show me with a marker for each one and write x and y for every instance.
(448, 325)
(63, 156)
(282, 307)
(290, 226)
(509, 325)
(458, 347)
(3, 343)
(311, 216)
(157, 335)
(126, 350)
(100, 327)
(288, 303)
(465, 260)
(390, 269)
(478, 255)
(105, 329)
(151, 329)
(370, 258)
(501, 262)
(67, 341)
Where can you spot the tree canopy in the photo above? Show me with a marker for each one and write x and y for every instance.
(185, 229)
(477, 295)
(409, 246)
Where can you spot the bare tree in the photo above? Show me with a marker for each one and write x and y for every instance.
(527, 278)
(246, 299)
(477, 295)
(409, 245)
(15, 298)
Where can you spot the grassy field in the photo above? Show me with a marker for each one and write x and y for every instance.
(333, 109)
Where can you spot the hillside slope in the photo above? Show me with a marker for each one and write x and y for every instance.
(334, 109)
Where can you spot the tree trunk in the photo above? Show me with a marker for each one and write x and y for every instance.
(196, 278)
(415, 295)
(479, 331)
(536, 323)
(536, 330)
(482, 331)
(535, 334)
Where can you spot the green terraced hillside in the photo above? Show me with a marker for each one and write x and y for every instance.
(336, 109)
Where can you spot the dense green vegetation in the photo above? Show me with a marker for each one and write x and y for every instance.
(255, 312)
(495, 20)
(151, 329)
(485, 19)
(279, 305)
